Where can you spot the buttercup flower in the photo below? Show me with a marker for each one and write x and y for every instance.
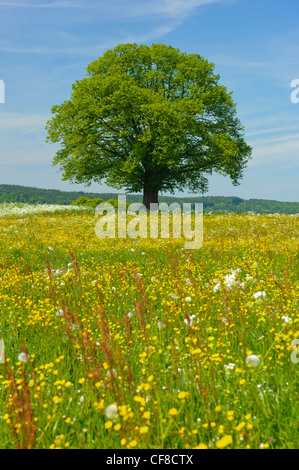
(224, 441)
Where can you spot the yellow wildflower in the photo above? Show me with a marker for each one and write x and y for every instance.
(224, 441)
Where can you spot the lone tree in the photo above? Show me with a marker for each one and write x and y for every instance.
(150, 119)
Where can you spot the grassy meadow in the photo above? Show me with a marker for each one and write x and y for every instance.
(142, 344)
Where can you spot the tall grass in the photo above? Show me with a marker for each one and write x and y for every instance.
(143, 344)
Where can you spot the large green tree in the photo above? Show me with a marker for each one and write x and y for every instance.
(148, 119)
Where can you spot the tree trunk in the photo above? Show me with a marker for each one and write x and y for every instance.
(150, 196)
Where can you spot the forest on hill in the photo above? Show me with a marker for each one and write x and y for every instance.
(32, 195)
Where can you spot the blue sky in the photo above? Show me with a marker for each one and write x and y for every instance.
(45, 45)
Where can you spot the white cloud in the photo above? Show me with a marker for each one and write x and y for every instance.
(161, 17)
(272, 57)
(274, 139)
(25, 123)
(58, 4)
(273, 130)
(276, 153)
(166, 8)
(171, 13)
(128, 8)
(281, 138)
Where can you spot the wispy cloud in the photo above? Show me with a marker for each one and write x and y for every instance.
(164, 8)
(274, 139)
(268, 60)
(276, 154)
(22, 122)
(153, 19)
(59, 4)
(134, 7)
(287, 138)
(55, 39)
(92, 49)
(271, 130)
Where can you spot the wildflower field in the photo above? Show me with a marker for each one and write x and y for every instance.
(142, 344)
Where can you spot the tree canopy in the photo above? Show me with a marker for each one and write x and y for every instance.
(149, 119)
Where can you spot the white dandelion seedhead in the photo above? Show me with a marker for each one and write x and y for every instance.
(253, 360)
(111, 411)
(111, 373)
(23, 357)
(59, 313)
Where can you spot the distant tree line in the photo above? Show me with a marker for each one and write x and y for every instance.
(93, 202)
(31, 195)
